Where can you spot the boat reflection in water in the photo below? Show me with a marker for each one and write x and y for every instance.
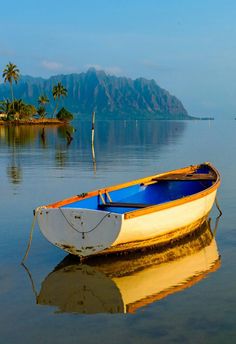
(124, 284)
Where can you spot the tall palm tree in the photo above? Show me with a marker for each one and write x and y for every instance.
(58, 91)
(11, 73)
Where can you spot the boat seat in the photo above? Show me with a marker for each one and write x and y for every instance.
(186, 177)
(124, 205)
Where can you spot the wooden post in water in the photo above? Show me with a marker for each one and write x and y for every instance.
(92, 142)
(93, 126)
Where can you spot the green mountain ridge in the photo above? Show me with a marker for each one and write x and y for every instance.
(110, 96)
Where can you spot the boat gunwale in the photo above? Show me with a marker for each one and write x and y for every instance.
(152, 208)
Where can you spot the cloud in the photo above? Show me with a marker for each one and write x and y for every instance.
(52, 65)
(114, 70)
(55, 66)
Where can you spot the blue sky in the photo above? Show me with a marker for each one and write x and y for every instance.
(188, 47)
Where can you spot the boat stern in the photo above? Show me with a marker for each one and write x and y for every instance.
(81, 232)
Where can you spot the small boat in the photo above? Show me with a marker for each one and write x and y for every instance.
(126, 283)
(151, 211)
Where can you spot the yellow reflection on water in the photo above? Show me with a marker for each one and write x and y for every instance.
(21, 135)
(126, 283)
(17, 137)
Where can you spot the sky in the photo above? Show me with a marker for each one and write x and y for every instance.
(188, 47)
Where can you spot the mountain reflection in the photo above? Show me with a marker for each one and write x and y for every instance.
(124, 284)
(64, 146)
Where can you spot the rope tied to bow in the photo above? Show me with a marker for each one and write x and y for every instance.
(36, 212)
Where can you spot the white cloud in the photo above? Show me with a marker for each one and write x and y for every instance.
(109, 70)
(52, 65)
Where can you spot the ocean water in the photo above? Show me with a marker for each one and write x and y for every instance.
(185, 294)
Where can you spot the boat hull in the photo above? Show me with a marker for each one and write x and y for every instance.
(85, 232)
(159, 223)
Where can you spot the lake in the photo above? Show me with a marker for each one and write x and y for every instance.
(147, 298)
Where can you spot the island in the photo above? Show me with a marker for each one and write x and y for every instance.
(111, 97)
(15, 111)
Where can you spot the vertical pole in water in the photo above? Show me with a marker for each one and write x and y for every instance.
(93, 123)
(93, 151)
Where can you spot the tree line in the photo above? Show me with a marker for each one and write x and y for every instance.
(17, 109)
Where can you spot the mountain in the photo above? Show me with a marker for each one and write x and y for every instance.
(110, 96)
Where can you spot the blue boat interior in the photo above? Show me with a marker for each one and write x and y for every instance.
(143, 195)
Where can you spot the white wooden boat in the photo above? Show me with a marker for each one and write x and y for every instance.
(123, 284)
(135, 215)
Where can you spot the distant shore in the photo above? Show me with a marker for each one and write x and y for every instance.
(41, 121)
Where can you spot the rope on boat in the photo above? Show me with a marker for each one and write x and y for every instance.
(37, 210)
(83, 232)
(218, 206)
(218, 217)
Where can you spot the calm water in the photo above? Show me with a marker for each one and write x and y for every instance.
(191, 299)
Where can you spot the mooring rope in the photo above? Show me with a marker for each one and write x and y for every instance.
(216, 226)
(37, 210)
(218, 206)
(31, 281)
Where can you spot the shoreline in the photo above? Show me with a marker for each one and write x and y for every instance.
(45, 121)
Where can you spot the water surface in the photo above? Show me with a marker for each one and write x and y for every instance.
(37, 169)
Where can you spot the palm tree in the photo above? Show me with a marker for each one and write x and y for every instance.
(5, 106)
(18, 105)
(41, 111)
(58, 91)
(43, 100)
(11, 73)
(11, 108)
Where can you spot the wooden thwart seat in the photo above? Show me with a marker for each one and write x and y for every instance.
(124, 205)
